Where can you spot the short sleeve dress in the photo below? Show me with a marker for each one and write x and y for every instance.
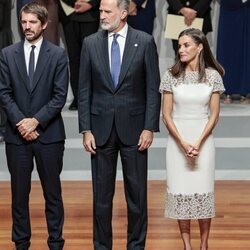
(190, 182)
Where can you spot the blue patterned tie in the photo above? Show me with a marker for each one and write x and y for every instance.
(32, 65)
(115, 60)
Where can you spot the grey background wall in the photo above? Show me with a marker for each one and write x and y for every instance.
(232, 135)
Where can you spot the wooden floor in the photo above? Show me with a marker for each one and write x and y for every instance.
(230, 229)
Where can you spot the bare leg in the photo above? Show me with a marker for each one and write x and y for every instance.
(204, 225)
(184, 226)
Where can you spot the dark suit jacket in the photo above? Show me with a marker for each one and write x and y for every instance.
(233, 4)
(89, 16)
(44, 101)
(20, 4)
(135, 104)
(149, 9)
(144, 20)
(201, 6)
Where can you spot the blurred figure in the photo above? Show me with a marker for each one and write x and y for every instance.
(51, 33)
(19, 5)
(142, 15)
(190, 10)
(233, 49)
(191, 91)
(5, 40)
(81, 23)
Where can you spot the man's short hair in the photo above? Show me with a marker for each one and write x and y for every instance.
(37, 9)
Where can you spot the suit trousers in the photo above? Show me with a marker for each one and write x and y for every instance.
(2, 121)
(49, 162)
(134, 167)
(74, 33)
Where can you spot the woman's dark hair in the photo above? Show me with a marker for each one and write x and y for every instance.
(37, 9)
(206, 58)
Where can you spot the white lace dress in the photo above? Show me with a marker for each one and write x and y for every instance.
(190, 183)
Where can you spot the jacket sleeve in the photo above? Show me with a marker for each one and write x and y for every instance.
(175, 5)
(85, 90)
(138, 2)
(202, 7)
(70, 2)
(7, 100)
(152, 84)
(94, 3)
(1, 14)
(60, 89)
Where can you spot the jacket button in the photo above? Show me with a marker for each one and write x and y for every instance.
(187, 3)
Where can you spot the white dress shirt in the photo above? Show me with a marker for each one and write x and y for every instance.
(121, 39)
(27, 48)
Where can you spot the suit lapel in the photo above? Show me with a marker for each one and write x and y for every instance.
(42, 61)
(21, 65)
(103, 54)
(129, 53)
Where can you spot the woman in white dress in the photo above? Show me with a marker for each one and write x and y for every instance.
(191, 91)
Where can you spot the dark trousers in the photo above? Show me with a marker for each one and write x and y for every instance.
(74, 33)
(2, 121)
(134, 167)
(49, 163)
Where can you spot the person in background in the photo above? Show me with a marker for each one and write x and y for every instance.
(142, 15)
(33, 91)
(191, 91)
(5, 40)
(119, 106)
(235, 16)
(191, 9)
(83, 22)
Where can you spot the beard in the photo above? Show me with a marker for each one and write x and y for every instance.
(32, 36)
(110, 26)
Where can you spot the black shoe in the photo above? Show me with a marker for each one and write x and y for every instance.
(73, 105)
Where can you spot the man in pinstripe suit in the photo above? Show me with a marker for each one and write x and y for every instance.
(119, 119)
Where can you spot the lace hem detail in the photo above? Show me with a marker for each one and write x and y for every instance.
(194, 206)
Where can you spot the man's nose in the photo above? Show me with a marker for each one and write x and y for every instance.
(27, 25)
(102, 15)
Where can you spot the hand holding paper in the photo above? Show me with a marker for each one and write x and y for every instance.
(175, 24)
(82, 6)
(67, 8)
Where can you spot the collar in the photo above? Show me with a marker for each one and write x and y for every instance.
(123, 32)
(38, 44)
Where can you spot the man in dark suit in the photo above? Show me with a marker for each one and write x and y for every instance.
(142, 15)
(191, 9)
(81, 23)
(33, 90)
(119, 107)
(5, 40)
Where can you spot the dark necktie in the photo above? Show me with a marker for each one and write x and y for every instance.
(32, 65)
(115, 60)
